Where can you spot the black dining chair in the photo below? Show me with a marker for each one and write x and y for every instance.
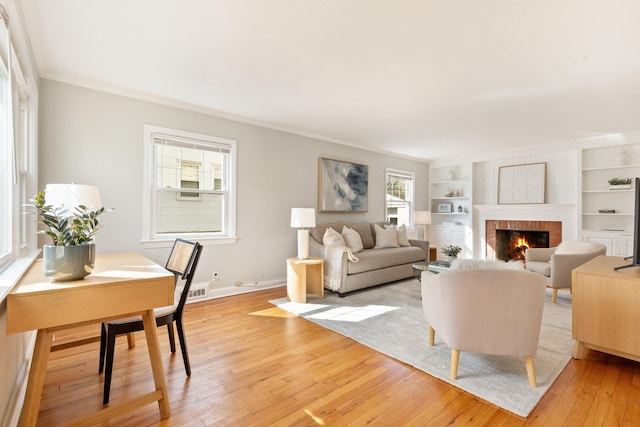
(182, 263)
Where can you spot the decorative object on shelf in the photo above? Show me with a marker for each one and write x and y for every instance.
(444, 207)
(66, 211)
(342, 186)
(606, 211)
(460, 208)
(622, 157)
(452, 174)
(450, 193)
(422, 219)
(302, 218)
(619, 183)
(451, 251)
(521, 183)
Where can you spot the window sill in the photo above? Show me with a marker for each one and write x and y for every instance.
(205, 241)
(14, 272)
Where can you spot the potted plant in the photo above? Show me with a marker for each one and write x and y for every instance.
(451, 251)
(72, 254)
(620, 183)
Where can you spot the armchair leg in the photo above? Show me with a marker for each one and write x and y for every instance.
(432, 336)
(531, 373)
(455, 357)
(554, 294)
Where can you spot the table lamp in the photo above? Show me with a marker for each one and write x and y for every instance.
(302, 218)
(68, 196)
(422, 219)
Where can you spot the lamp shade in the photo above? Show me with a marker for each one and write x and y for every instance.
(68, 196)
(423, 217)
(303, 217)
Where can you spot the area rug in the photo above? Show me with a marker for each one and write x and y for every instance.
(389, 319)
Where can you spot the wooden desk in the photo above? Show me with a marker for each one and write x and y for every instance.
(121, 285)
(606, 308)
(304, 276)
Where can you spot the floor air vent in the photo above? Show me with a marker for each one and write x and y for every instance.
(197, 292)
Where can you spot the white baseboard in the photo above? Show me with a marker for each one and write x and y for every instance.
(236, 290)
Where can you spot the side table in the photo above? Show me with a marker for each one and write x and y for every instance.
(304, 276)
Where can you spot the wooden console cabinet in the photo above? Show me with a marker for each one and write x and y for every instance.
(606, 308)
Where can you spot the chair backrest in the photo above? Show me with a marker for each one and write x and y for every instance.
(182, 262)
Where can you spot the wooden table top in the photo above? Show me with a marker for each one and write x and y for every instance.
(121, 284)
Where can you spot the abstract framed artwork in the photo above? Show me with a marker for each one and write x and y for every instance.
(342, 186)
(521, 183)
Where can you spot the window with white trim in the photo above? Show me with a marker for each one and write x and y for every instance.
(17, 152)
(190, 185)
(399, 197)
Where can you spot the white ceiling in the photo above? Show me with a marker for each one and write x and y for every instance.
(420, 78)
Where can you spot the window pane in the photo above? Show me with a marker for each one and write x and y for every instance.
(174, 215)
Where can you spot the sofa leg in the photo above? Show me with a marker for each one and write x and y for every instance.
(554, 294)
(341, 295)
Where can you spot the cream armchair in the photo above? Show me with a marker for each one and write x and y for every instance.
(485, 311)
(557, 263)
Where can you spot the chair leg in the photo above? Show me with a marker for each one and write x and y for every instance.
(111, 345)
(455, 357)
(554, 294)
(172, 338)
(531, 373)
(183, 347)
(131, 340)
(432, 336)
(103, 346)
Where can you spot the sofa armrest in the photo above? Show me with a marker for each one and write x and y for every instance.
(316, 249)
(424, 244)
(539, 254)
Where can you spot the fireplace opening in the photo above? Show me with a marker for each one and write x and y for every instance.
(512, 244)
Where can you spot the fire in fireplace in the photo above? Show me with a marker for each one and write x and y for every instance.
(512, 244)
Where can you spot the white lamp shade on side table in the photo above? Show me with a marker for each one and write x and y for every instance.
(422, 218)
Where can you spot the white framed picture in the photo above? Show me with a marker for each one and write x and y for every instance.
(444, 207)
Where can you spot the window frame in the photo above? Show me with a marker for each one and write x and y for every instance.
(411, 197)
(150, 238)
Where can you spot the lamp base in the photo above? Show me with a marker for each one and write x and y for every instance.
(303, 244)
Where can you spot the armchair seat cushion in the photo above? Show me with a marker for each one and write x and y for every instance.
(543, 268)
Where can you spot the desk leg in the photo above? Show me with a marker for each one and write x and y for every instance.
(35, 383)
(150, 331)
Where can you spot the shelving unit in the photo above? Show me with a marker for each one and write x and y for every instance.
(451, 207)
(598, 166)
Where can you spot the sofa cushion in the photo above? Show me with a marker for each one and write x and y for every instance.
(386, 237)
(403, 240)
(352, 239)
(332, 238)
(373, 259)
(318, 231)
(541, 267)
(364, 230)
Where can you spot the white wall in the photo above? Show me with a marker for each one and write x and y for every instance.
(92, 137)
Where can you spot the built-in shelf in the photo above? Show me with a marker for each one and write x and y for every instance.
(598, 165)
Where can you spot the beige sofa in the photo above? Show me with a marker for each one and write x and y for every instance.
(557, 263)
(485, 310)
(346, 271)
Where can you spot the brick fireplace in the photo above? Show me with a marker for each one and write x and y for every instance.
(509, 239)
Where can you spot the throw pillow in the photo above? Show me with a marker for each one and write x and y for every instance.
(403, 240)
(332, 238)
(352, 239)
(386, 238)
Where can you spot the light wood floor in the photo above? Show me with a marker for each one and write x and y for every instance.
(254, 367)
